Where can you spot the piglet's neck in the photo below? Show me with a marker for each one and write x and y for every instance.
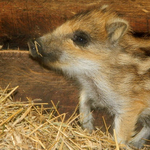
(93, 80)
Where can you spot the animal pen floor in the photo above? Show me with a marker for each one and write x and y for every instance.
(28, 125)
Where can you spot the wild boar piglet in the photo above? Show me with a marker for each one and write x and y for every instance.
(112, 67)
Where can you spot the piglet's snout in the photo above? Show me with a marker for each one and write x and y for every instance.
(35, 48)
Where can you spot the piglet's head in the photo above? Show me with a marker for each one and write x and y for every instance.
(82, 43)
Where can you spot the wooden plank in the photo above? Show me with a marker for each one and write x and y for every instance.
(36, 82)
(17, 68)
(21, 20)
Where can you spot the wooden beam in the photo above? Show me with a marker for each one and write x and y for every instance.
(37, 82)
(21, 20)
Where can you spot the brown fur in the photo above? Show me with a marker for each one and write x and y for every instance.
(112, 67)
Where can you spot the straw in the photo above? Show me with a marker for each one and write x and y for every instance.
(31, 125)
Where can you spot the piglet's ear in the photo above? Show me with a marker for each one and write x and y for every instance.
(116, 29)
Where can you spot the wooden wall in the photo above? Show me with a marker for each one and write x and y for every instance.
(22, 20)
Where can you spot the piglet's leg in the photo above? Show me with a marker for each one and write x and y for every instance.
(86, 117)
(125, 123)
(139, 139)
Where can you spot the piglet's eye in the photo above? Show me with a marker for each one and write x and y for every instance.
(81, 38)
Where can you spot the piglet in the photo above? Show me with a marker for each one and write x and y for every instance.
(97, 49)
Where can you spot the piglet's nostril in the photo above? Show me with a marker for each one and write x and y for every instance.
(35, 48)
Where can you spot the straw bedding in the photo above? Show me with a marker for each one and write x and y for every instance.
(30, 126)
